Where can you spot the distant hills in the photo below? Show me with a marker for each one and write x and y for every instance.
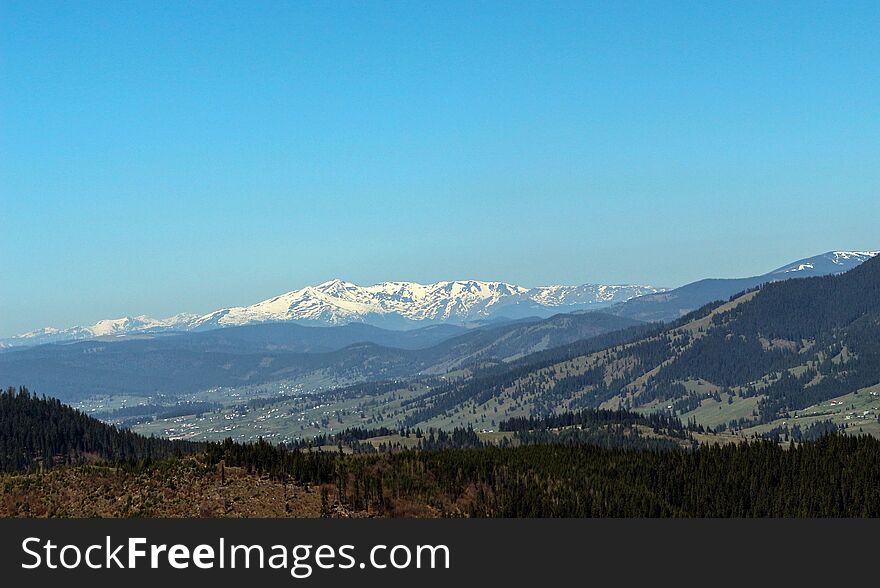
(177, 363)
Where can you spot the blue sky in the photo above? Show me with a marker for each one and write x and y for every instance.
(159, 157)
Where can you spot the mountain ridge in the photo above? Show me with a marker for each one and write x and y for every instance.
(677, 302)
(395, 305)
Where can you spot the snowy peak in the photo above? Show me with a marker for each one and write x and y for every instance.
(847, 257)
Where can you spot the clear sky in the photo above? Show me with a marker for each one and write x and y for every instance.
(158, 157)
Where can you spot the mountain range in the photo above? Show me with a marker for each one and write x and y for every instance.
(394, 305)
(408, 305)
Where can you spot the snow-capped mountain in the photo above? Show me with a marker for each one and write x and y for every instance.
(398, 303)
(389, 304)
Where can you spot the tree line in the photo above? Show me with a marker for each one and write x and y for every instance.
(834, 476)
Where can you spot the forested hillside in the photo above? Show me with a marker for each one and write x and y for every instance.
(42, 433)
(777, 352)
(835, 476)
